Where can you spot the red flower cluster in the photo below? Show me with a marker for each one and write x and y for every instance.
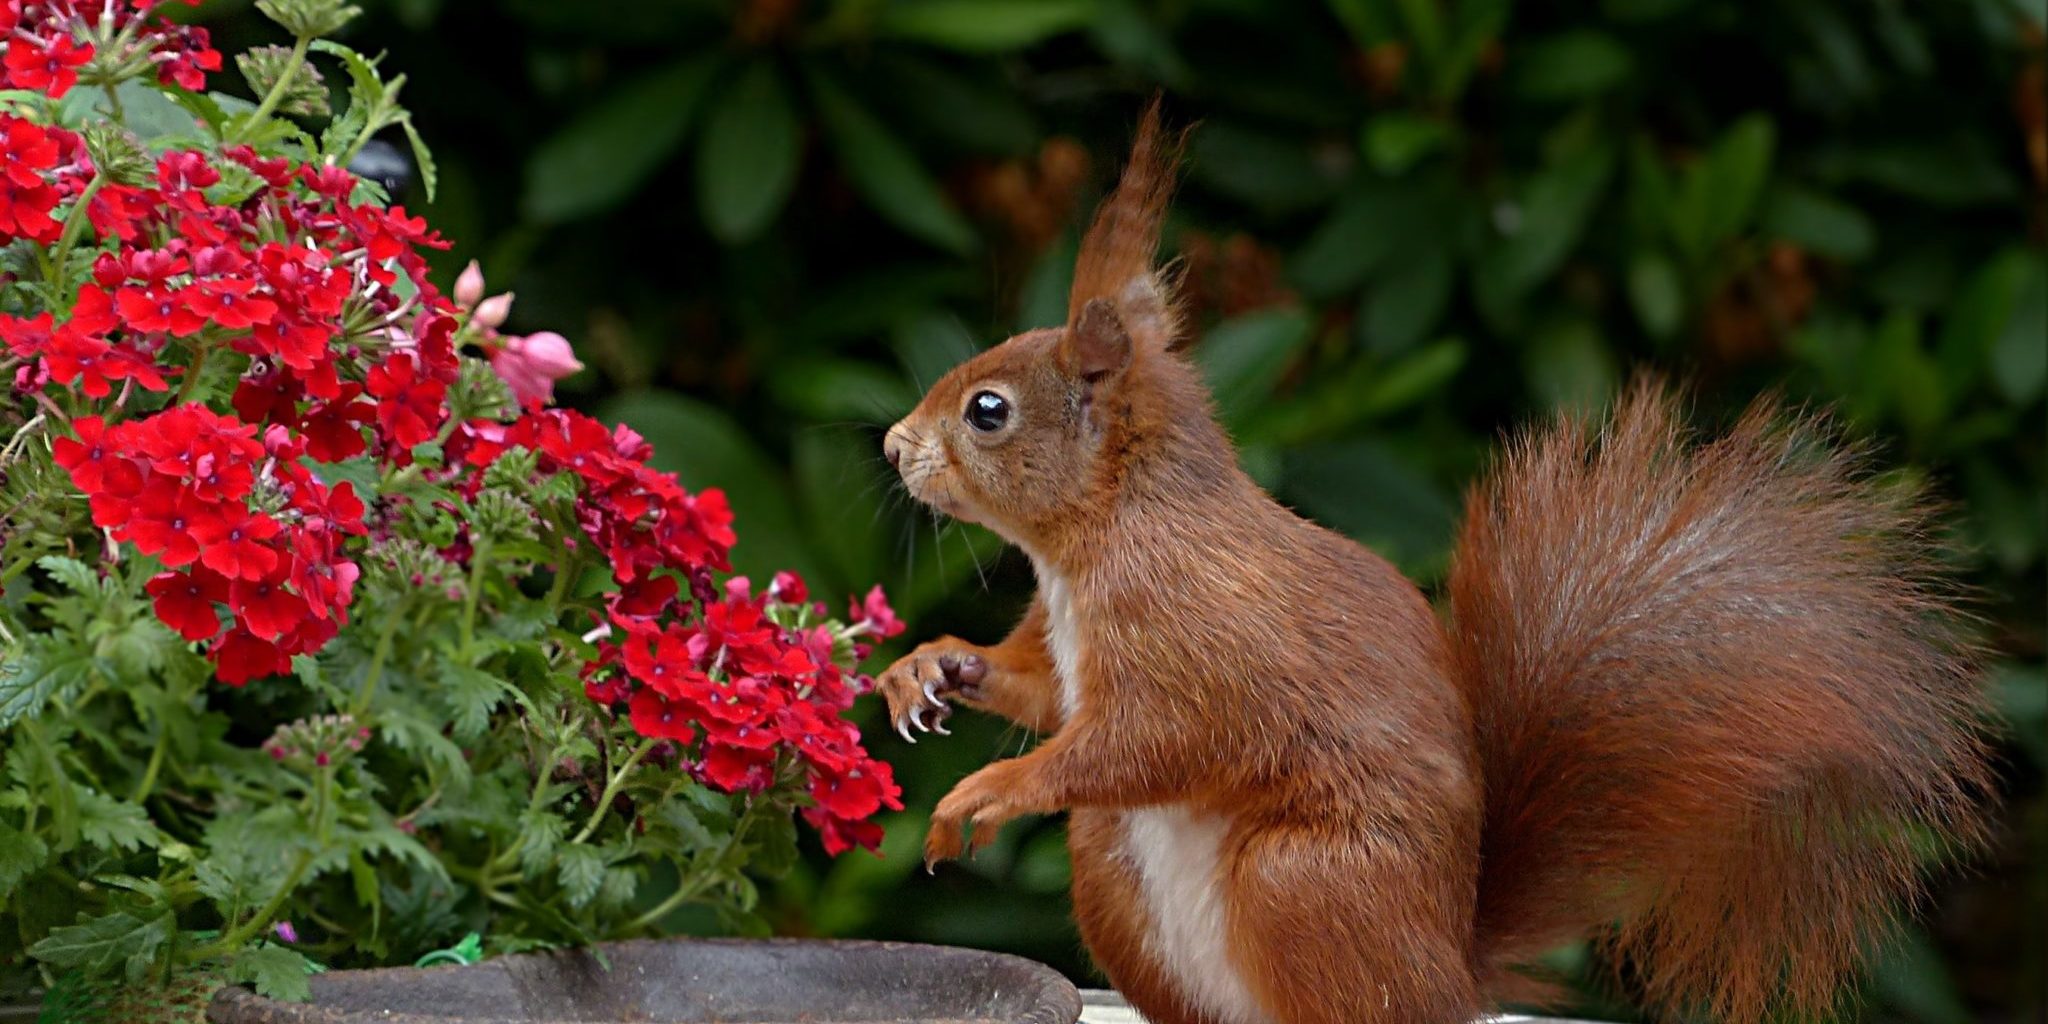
(39, 168)
(755, 690)
(639, 518)
(301, 281)
(49, 41)
(237, 520)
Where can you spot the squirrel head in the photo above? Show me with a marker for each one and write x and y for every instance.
(1039, 436)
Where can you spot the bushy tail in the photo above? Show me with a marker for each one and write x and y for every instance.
(1724, 704)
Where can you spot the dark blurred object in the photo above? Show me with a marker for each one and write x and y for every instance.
(385, 164)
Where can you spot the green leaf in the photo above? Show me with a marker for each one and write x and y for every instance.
(1272, 172)
(1367, 230)
(2019, 359)
(1570, 66)
(430, 175)
(1403, 307)
(1554, 210)
(1569, 366)
(21, 854)
(974, 107)
(885, 171)
(43, 669)
(276, 972)
(471, 695)
(598, 160)
(1367, 490)
(982, 26)
(1819, 222)
(1398, 140)
(1244, 358)
(1976, 322)
(1655, 291)
(112, 824)
(1719, 194)
(97, 945)
(747, 161)
(580, 869)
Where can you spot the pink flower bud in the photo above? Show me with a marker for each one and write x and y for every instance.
(469, 286)
(491, 313)
(532, 364)
(285, 931)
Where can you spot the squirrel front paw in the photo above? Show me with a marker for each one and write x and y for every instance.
(919, 684)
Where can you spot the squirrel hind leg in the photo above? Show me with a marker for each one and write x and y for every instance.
(1336, 928)
(1112, 917)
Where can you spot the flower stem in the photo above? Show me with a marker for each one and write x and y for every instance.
(479, 560)
(191, 376)
(74, 225)
(611, 790)
(277, 89)
(378, 657)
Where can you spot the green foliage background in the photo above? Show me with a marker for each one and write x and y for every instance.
(1407, 225)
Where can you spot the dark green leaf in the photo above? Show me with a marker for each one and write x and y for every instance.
(112, 824)
(886, 172)
(747, 161)
(982, 26)
(1569, 366)
(1368, 491)
(1654, 289)
(1553, 215)
(42, 669)
(602, 157)
(1821, 223)
(1406, 305)
(2019, 360)
(97, 945)
(276, 972)
(1271, 172)
(580, 869)
(1244, 358)
(1571, 65)
(20, 855)
(1397, 140)
(1719, 194)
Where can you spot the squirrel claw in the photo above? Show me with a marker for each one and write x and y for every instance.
(903, 730)
(931, 694)
(916, 717)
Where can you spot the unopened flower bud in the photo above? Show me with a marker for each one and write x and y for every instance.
(309, 19)
(304, 94)
(117, 154)
(531, 365)
(491, 313)
(469, 286)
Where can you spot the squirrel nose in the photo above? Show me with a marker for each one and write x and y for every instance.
(892, 449)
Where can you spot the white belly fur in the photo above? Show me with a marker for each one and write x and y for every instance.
(1174, 851)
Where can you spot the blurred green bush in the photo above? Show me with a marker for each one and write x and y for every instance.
(1408, 225)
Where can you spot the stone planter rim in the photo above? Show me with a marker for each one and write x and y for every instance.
(1035, 993)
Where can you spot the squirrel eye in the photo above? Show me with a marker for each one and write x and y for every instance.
(987, 411)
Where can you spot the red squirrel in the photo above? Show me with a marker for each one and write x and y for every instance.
(1702, 701)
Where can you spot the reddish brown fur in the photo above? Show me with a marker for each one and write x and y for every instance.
(1678, 679)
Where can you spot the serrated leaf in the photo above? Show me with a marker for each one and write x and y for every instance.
(603, 156)
(430, 175)
(885, 171)
(276, 972)
(747, 161)
(21, 854)
(112, 824)
(41, 670)
(580, 869)
(97, 944)
(470, 695)
(540, 833)
(75, 575)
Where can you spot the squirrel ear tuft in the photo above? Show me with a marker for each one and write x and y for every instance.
(1096, 344)
(1117, 256)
